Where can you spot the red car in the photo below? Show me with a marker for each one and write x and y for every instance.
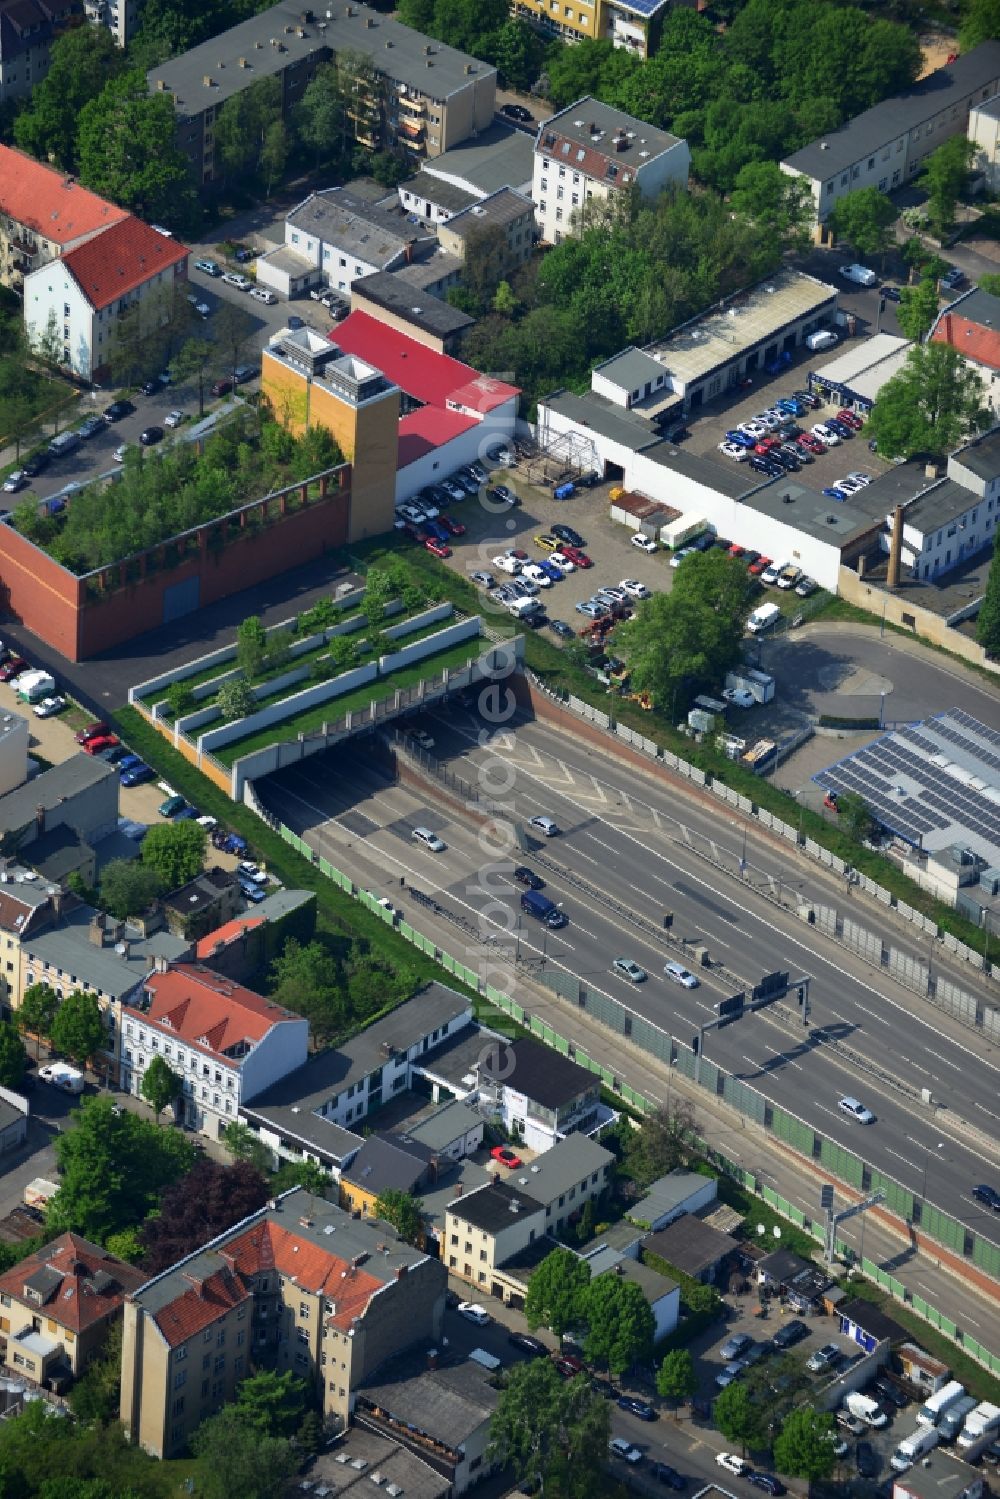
(578, 558)
(100, 742)
(437, 547)
(568, 1365)
(756, 568)
(850, 420)
(506, 1156)
(13, 668)
(811, 444)
(91, 732)
(736, 550)
(766, 444)
(453, 527)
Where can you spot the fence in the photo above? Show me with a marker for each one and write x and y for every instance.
(664, 1048)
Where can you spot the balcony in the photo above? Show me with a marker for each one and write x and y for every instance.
(413, 106)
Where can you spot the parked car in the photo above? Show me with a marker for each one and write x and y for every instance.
(49, 707)
(100, 742)
(527, 1344)
(171, 806)
(473, 1312)
(438, 548)
(866, 1459)
(738, 1466)
(767, 1482)
(734, 1346)
(117, 410)
(561, 628)
(668, 1475)
(150, 436)
(619, 1447)
(136, 775)
(793, 1332)
(173, 419)
(208, 268)
(636, 1407)
(823, 1358)
(517, 112)
(12, 668)
(576, 556)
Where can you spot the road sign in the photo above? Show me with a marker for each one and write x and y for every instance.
(826, 1197)
(770, 984)
(731, 1009)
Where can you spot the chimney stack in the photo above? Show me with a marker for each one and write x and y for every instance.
(895, 549)
(96, 929)
(400, 1271)
(40, 819)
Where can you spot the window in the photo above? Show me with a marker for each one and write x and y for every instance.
(179, 1355)
(180, 1379)
(178, 1406)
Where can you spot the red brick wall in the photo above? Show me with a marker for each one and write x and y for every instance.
(54, 604)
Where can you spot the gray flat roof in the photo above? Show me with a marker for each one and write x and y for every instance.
(501, 208)
(449, 1404)
(857, 358)
(652, 1283)
(741, 323)
(727, 478)
(495, 1206)
(568, 1162)
(875, 127)
(497, 157)
(630, 369)
(52, 787)
(396, 51)
(441, 1128)
(385, 1164)
(982, 457)
(386, 289)
(592, 125)
(305, 1128)
(440, 192)
(428, 271)
(666, 1194)
(605, 418)
(940, 503)
(816, 514)
(284, 258)
(335, 1472)
(68, 945)
(465, 1177)
(338, 217)
(689, 1244)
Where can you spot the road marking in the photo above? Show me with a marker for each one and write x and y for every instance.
(889, 1151)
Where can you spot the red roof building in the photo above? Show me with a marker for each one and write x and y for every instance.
(424, 375)
(128, 256)
(428, 428)
(43, 213)
(971, 324)
(226, 1042)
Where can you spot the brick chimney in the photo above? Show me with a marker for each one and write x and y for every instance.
(895, 549)
(96, 929)
(40, 819)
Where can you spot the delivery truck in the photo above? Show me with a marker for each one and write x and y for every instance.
(62, 1076)
(32, 686)
(942, 1400)
(984, 1421)
(914, 1447)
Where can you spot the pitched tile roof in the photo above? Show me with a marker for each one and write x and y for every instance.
(78, 1282)
(200, 1304)
(207, 1010)
(48, 202)
(974, 340)
(125, 256)
(269, 1245)
(228, 932)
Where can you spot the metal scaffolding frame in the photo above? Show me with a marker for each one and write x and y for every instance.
(562, 456)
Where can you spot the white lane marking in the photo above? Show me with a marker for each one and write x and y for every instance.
(889, 1151)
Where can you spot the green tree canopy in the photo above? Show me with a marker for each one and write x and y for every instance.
(934, 403)
(129, 887)
(128, 153)
(804, 1446)
(781, 204)
(81, 62)
(403, 1211)
(918, 307)
(988, 619)
(864, 219)
(114, 1168)
(251, 645)
(272, 1403)
(160, 1085)
(175, 851)
(557, 1292)
(946, 176)
(665, 1140)
(78, 1028)
(236, 1458)
(39, 1004)
(308, 979)
(620, 1323)
(980, 23)
(243, 1145)
(548, 1426)
(676, 1377)
(13, 1056)
(235, 699)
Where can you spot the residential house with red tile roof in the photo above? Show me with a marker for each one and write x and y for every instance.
(226, 1043)
(86, 293)
(971, 324)
(44, 213)
(299, 1286)
(57, 1305)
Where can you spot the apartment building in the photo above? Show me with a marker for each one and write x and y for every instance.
(634, 25)
(26, 906)
(27, 29)
(57, 1306)
(409, 92)
(984, 133)
(43, 213)
(537, 1094)
(588, 153)
(298, 1286)
(503, 223)
(83, 295)
(343, 238)
(887, 145)
(226, 1042)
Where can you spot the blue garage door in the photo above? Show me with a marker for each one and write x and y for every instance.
(181, 599)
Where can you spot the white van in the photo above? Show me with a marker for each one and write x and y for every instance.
(234, 278)
(763, 618)
(866, 1409)
(486, 1360)
(914, 1447)
(524, 608)
(859, 274)
(823, 339)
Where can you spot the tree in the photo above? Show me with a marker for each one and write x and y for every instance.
(233, 327)
(676, 1378)
(129, 887)
(620, 1323)
(557, 1429)
(804, 1447)
(585, 1226)
(308, 979)
(115, 1167)
(275, 152)
(980, 23)
(990, 282)
(933, 404)
(192, 361)
(243, 1145)
(403, 1211)
(95, 1398)
(160, 1086)
(918, 307)
(518, 53)
(557, 1292)
(702, 1298)
(127, 151)
(13, 1057)
(81, 62)
(200, 1205)
(665, 1140)
(854, 816)
(176, 851)
(988, 620)
(235, 699)
(779, 204)
(864, 219)
(945, 177)
(272, 1403)
(320, 119)
(79, 1028)
(251, 644)
(234, 1458)
(180, 699)
(39, 1004)
(738, 1418)
(305, 1174)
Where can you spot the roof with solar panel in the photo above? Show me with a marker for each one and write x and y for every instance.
(934, 784)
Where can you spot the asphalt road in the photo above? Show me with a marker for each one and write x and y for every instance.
(619, 834)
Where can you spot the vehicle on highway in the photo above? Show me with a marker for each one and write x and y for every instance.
(619, 1447)
(473, 1312)
(629, 970)
(644, 543)
(527, 877)
(733, 1464)
(823, 1358)
(49, 707)
(668, 1475)
(544, 825)
(989, 1195)
(635, 1407)
(429, 840)
(856, 1110)
(680, 975)
(527, 1343)
(506, 1156)
(793, 1332)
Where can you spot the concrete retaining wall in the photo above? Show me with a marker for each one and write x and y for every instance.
(288, 707)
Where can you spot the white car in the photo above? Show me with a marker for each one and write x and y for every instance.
(678, 557)
(644, 543)
(536, 574)
(233, 278)
(505, 564)
(562, 562)
(473, 1312)
(735, 451)
(856, 1110)
(849, 486)
(634, 588)
(119, 453)
(410, 513)
(680, 975)
(860, 477)
(261, 294)
(826, 434)
(427, 508)
(740, 697)
(544, 825)
(173, 418)
(860, 274)
(732, 1463)
(772, 419)
(756, 428)
(619, 1447)
(771, 574)
(49, 707)
(251, 872)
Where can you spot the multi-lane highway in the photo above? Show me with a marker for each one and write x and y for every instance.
(619, 849)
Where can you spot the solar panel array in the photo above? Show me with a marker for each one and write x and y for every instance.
(919, 800)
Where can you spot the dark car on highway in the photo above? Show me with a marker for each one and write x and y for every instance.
(525, 876)
(989, 1195)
